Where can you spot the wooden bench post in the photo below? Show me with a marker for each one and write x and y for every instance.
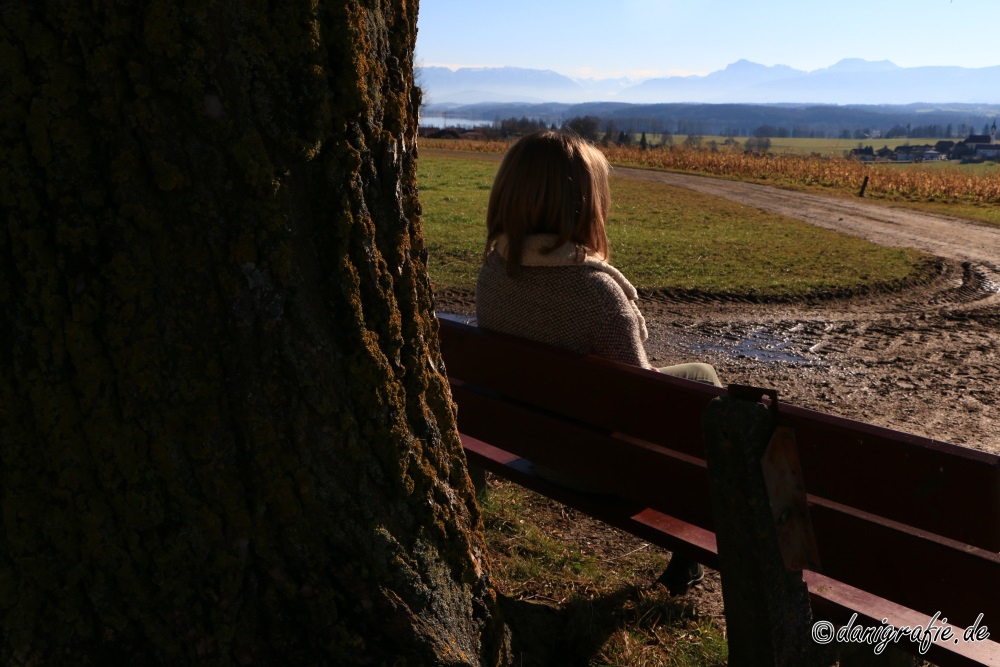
(768, 616)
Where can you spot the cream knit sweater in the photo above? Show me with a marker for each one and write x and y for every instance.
(568, 298)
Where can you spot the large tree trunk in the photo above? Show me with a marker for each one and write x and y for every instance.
(225, 431)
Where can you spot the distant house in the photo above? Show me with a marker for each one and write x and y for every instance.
(866, 154)
(884, 153)
(944, 147)
(979, 139)
(988, 151)
(970, 148)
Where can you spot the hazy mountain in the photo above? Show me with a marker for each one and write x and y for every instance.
(850, 81)
(860, 65)
(470, 85)
(496, 84)
(732, 84)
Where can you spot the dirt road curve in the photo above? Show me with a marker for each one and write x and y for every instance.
(925, 360)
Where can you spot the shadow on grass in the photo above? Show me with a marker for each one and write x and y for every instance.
(574, 633)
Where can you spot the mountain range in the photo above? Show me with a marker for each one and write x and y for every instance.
(850, 81)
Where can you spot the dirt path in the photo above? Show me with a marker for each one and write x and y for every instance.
(925, 360)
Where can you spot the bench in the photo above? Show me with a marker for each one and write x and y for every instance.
(904, 526)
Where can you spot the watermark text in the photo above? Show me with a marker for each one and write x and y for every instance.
(935, 631)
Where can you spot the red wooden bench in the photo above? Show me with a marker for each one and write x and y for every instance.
(905, 526)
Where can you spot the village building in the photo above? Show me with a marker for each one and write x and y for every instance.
(989, 150)
(865, 154)
(978, 146)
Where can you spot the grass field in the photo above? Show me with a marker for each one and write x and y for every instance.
(663, 238)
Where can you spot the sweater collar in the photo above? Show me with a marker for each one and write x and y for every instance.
(533, 254)
(569, 254)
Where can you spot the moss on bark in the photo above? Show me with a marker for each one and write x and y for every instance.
(224, 427)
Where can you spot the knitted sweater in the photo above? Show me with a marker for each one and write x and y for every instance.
(586, 307)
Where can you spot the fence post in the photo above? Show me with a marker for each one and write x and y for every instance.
(768, 618)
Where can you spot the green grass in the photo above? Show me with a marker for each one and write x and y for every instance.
(584, 605)
(454, 191)
(663, 238)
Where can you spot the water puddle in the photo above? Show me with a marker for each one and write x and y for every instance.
(759, 345)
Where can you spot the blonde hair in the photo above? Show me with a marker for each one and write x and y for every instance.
(550, 183)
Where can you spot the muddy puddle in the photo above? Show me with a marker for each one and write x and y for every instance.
(759, 344)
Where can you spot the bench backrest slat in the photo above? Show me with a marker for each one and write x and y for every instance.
(933, 486)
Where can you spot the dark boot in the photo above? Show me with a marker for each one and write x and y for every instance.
(681, 574)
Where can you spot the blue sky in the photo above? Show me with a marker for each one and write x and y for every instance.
(646, 38)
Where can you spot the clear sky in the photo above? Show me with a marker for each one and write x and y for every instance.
(646, 38)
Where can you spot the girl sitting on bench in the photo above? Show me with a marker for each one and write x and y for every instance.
(546, 276)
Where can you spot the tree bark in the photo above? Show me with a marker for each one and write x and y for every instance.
(225, 430)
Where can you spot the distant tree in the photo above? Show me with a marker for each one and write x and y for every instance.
(845, 134)
(624, 138)
(516, 127)
(642, 142)
(610, 132)
(585, 126)
(693, 141)
(666, 139)
(757, 145)
(732, 144)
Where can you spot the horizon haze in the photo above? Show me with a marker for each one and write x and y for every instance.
(849, 81)
(644, 39)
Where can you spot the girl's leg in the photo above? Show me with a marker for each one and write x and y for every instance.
(696, 371)
(682, 572)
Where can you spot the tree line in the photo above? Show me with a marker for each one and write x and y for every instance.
(757, 139)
